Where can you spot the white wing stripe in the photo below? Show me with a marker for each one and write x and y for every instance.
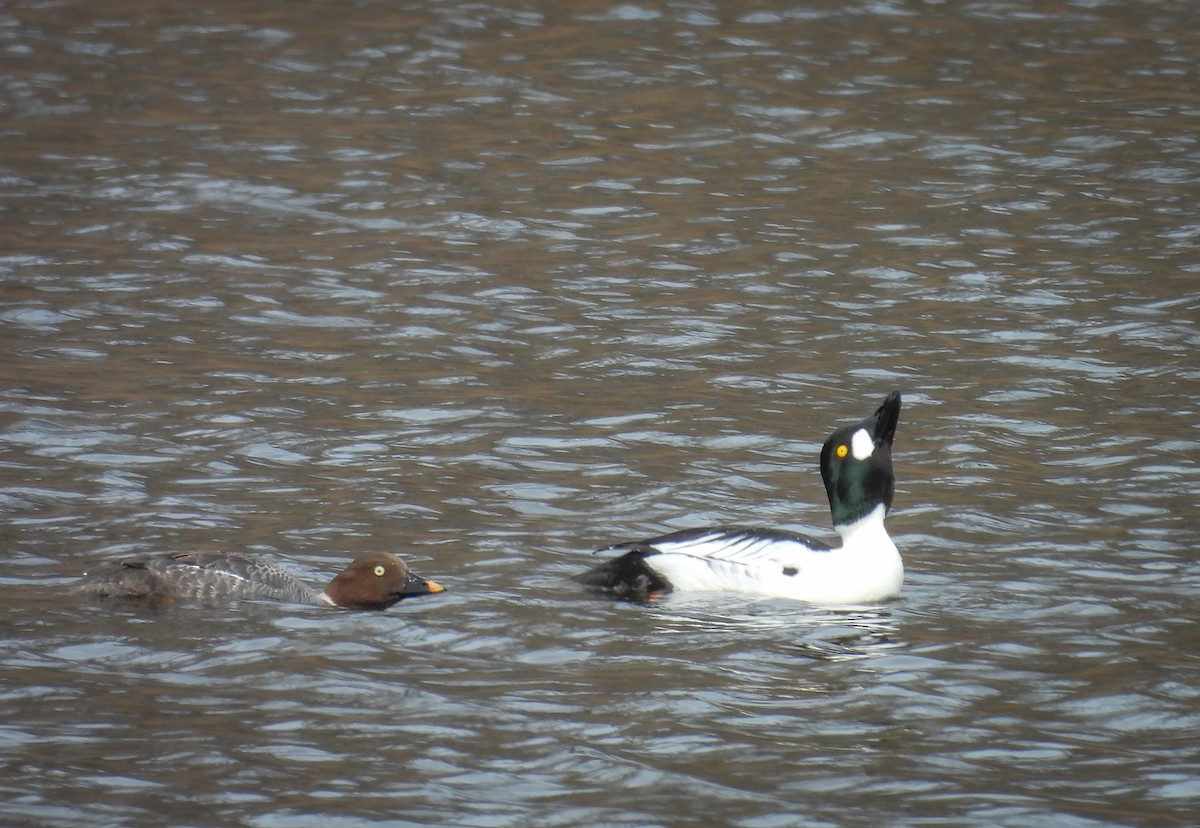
(742, 548)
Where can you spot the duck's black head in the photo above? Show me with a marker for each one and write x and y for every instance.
(856, 464)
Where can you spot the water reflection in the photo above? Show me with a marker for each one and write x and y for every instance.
(826, 634)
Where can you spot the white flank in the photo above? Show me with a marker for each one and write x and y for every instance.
(866, 569)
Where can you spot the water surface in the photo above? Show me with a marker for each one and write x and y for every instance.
(491, 285)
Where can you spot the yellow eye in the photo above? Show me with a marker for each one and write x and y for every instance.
(379, 570)
(842, 450)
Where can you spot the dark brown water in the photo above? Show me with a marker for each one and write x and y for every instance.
(492, 284)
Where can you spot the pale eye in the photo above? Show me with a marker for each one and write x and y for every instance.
(379, 570)
(842, 450)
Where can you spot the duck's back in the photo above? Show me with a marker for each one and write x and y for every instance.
(199, 575)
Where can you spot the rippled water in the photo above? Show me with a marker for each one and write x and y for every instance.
(491, 285)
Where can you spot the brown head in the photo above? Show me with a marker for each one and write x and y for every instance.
(376, 582)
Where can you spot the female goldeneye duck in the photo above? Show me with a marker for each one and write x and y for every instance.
(371, 582)
(856, 465)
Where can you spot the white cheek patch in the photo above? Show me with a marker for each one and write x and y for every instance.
(862, 445)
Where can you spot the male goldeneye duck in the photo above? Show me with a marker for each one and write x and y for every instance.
(371, 582)
(856, 465)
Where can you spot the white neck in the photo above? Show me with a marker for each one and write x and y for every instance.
(867, 532)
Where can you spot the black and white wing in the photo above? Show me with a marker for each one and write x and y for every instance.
(715, 558)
